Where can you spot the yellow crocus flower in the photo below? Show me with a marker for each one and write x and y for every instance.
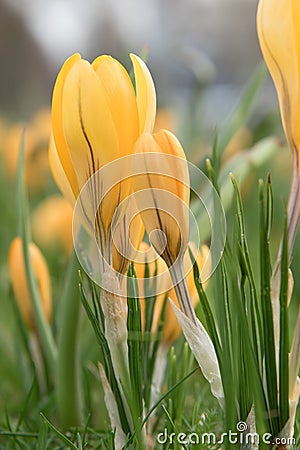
(165, 193)
(97, 117)
(19, 280)
(278, 26)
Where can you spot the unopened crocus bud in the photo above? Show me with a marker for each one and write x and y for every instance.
(19, 281)
(161, 183)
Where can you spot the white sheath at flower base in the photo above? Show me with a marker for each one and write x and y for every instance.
(115, 314)
(203, 350)
(114, 311)
(112, 409)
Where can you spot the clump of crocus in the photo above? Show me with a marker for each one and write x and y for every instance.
(97, 116)
(19, 281)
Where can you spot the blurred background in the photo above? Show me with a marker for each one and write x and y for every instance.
(190, 43)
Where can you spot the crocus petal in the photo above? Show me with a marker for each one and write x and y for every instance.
(278, 25)
(91, 137)
(59, 174)
(121, 100)
(145, 92)
(87, 121)
(170, 145)
(57, 124)
(164, 180)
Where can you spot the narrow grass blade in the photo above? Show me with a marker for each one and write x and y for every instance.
(284, 332)
(60, 435)
(210, 321)
(134, 327)
(162, 398)
(68, 380)
(267, 313)
(255, 311)
(44, 330)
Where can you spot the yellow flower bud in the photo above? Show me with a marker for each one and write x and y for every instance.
(278, 26)
(171, 330)
(51, 223)
(164, 182)
(19, 281)
(96, 119)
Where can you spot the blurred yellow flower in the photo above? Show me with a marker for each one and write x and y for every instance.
(37, 174)
(171, 330)
(241, 140)
(278, 26)
(164, 203)
(51, 223)
(19, 280)
(96, 119)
